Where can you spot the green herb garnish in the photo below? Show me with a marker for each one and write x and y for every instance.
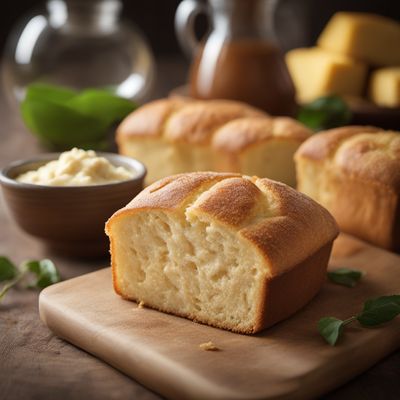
(44, 271)
(7, 269)
(345, 276)
(63, 118)
(325, 113)
(380, 310)
(330, 328)
(39, 274)
(375, 312)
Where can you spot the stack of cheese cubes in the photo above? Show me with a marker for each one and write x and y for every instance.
(357, 54)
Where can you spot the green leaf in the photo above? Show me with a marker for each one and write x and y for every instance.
(380, 310)
(8, 270)
(45, 272)
(325, 113)
(44, 91)
(102, 105)
(61, 125)
(345, 276)
(330, 329)
(373, 303)
(63, 118)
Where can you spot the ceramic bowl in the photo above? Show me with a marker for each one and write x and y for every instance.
(68, 219)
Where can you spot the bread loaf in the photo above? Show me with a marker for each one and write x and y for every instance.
(227, 250)
(174, 135)
(355, 173)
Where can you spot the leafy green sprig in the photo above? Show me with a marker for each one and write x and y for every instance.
(38, 274)
(324, 113)
(345, 276)
(63, 118)
(374, 313)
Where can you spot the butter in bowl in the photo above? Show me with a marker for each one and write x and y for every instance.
(64, 199)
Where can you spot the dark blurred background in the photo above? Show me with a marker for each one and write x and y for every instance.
(155, 18)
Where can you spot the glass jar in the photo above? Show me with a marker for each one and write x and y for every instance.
(78, 44)
(240, 58)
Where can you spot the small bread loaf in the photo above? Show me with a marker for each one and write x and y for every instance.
(355, 173)
(176, 135)
(227, 250)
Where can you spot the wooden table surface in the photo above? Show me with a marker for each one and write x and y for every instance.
(35, 364)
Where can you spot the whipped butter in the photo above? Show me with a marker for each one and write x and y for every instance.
(76, 168)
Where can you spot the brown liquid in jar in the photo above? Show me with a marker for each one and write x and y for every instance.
(252, 71)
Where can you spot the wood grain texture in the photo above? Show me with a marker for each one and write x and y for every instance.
(35, 364)
(288, 361)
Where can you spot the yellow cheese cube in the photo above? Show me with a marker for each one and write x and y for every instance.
(316, 72)
(367, 37)
(384, 87)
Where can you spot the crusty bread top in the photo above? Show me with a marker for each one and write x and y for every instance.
(284, 225)
(197, 121)
(256, 130)
(149, 119)
(182, 120)
(364, 152)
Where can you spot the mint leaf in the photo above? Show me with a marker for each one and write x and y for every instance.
(64, 118)
(45, 273)
(345, 276)
(101, 104)
(378, 301)
(61, 125)
(325, 113)
(330, 329)
(375, 312)
(44, 91)
(8, 270)
(380, 310)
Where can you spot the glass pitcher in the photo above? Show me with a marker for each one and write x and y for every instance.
(240, 58)
(79, 44)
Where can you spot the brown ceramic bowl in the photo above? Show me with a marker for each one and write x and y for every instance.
(69, 219)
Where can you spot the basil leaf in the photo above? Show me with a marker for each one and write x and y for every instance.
(63, 118)
(44, 91)
(61, 125)
(380, 310)
(325, 113)
(102, 105)
(330, 329)
(345, 276)
(8, 270)
(45, 272)
(373, 303)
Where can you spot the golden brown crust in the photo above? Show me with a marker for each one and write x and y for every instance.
(325, 143)
(365, 153)
(293, 289)
(374, 157)
(294, 226)
(232, 201)
(239, 134)
(358, 181)
(148, 120)
(285, 219)
(364, 209)
(171, 192)
(197, 122)
(203, 122)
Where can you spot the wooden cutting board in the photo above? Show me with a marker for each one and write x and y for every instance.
(288, 361)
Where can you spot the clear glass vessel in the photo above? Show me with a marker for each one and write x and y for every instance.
(79, 44)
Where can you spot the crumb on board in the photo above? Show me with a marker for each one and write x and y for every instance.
(140, 304)
(208, 346)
